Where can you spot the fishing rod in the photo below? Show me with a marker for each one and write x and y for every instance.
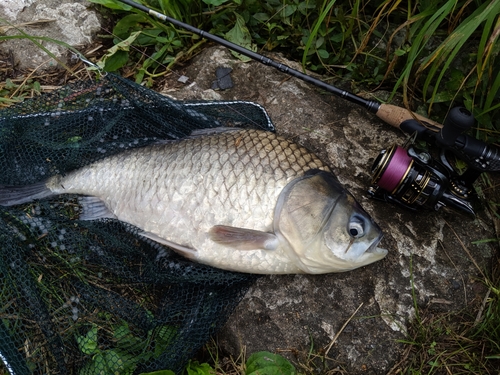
(408, 175)
(391, 114)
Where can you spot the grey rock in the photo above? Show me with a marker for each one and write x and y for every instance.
(66, 21)
(430, 261)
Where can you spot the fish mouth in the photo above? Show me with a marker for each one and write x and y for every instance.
(373, 249)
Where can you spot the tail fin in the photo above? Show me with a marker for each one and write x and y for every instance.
(11, 195)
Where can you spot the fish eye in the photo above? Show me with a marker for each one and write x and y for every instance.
(356, 228)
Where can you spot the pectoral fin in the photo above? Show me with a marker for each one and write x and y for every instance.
(243, 239)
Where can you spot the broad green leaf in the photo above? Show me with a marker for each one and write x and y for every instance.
(36, 86)
(119, 363)
(115, 61)
(163, 336)
(240, 35)
(337, 38)
(305, 6)
(288, 10)
(121, 51)
(455, 81)
(121, 331)
(9, 84)
(195, 368)
(323, 54)
(88, 343)
(263, 17)
(266, 363)
(215, 3)
(441, 97)
(148, 37)
(160, 372)
(319, 42)
(96, 366)
(122, 27)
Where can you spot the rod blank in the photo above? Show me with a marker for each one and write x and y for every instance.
(370, 105)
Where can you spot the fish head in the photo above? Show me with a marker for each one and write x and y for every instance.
(322, 228)
(350, 237)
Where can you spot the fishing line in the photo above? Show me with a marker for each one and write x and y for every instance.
(370, 105)
(398, 117)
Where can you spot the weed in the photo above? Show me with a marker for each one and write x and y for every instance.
(15, 89)
(11, 92)
(444, 52)
(460, 342)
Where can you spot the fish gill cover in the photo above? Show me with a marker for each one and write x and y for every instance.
(93, 297)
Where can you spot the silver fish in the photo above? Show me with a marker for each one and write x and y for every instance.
(240, 200)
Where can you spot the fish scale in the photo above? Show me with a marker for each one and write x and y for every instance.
(243, 200)
(174, 167)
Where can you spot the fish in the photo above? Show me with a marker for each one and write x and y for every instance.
(242, 200)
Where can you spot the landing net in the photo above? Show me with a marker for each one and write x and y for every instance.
(93, 297)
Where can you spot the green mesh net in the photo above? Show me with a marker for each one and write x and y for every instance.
(93, 297)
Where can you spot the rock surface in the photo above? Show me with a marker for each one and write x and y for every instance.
(65, 21)
(431, 258)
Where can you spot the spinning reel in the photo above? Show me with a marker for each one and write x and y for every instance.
(409, 176)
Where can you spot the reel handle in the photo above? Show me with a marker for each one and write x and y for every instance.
(476, 153)
(458, 121)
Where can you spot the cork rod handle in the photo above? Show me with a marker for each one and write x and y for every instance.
(394, 116)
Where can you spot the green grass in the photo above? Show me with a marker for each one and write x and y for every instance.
(435, 53)
(15, 90)
(460, 342)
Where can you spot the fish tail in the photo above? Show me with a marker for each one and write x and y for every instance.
(11, 195)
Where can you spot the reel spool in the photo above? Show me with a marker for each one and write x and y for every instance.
(410, 177)
(397, 173)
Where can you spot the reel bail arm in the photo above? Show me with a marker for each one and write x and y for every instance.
(434, 183)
